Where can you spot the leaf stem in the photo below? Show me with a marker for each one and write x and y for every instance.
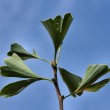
(55, 56)
(59, 51)
(67, 96)
(45, 60)
(48, 80)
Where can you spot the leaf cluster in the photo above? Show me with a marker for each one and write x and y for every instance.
(15, 66)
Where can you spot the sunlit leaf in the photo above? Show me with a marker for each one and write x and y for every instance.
(97, 86)
(92, 73)
(15, 87)
(58, 28)
(16, 68)
(21, 52)
(72, 81)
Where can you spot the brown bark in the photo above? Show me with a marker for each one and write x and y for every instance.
(55, 80)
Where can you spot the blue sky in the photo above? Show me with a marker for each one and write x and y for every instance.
(87, 42)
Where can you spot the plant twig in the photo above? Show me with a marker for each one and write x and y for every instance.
(55, 81)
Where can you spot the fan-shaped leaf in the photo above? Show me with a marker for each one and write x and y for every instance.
(58, 28)
(16, 87)
(93, 73)
(72, 81)
(16, 68)
(97, 86)
(21, 52)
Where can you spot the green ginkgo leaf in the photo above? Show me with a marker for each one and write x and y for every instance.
(21, 52)
(58, 28)
(92, 73)
(15, 87)
(97, 86)
(17, 68)
(72, 81)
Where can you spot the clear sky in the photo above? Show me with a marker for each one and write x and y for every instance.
(87, 42)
